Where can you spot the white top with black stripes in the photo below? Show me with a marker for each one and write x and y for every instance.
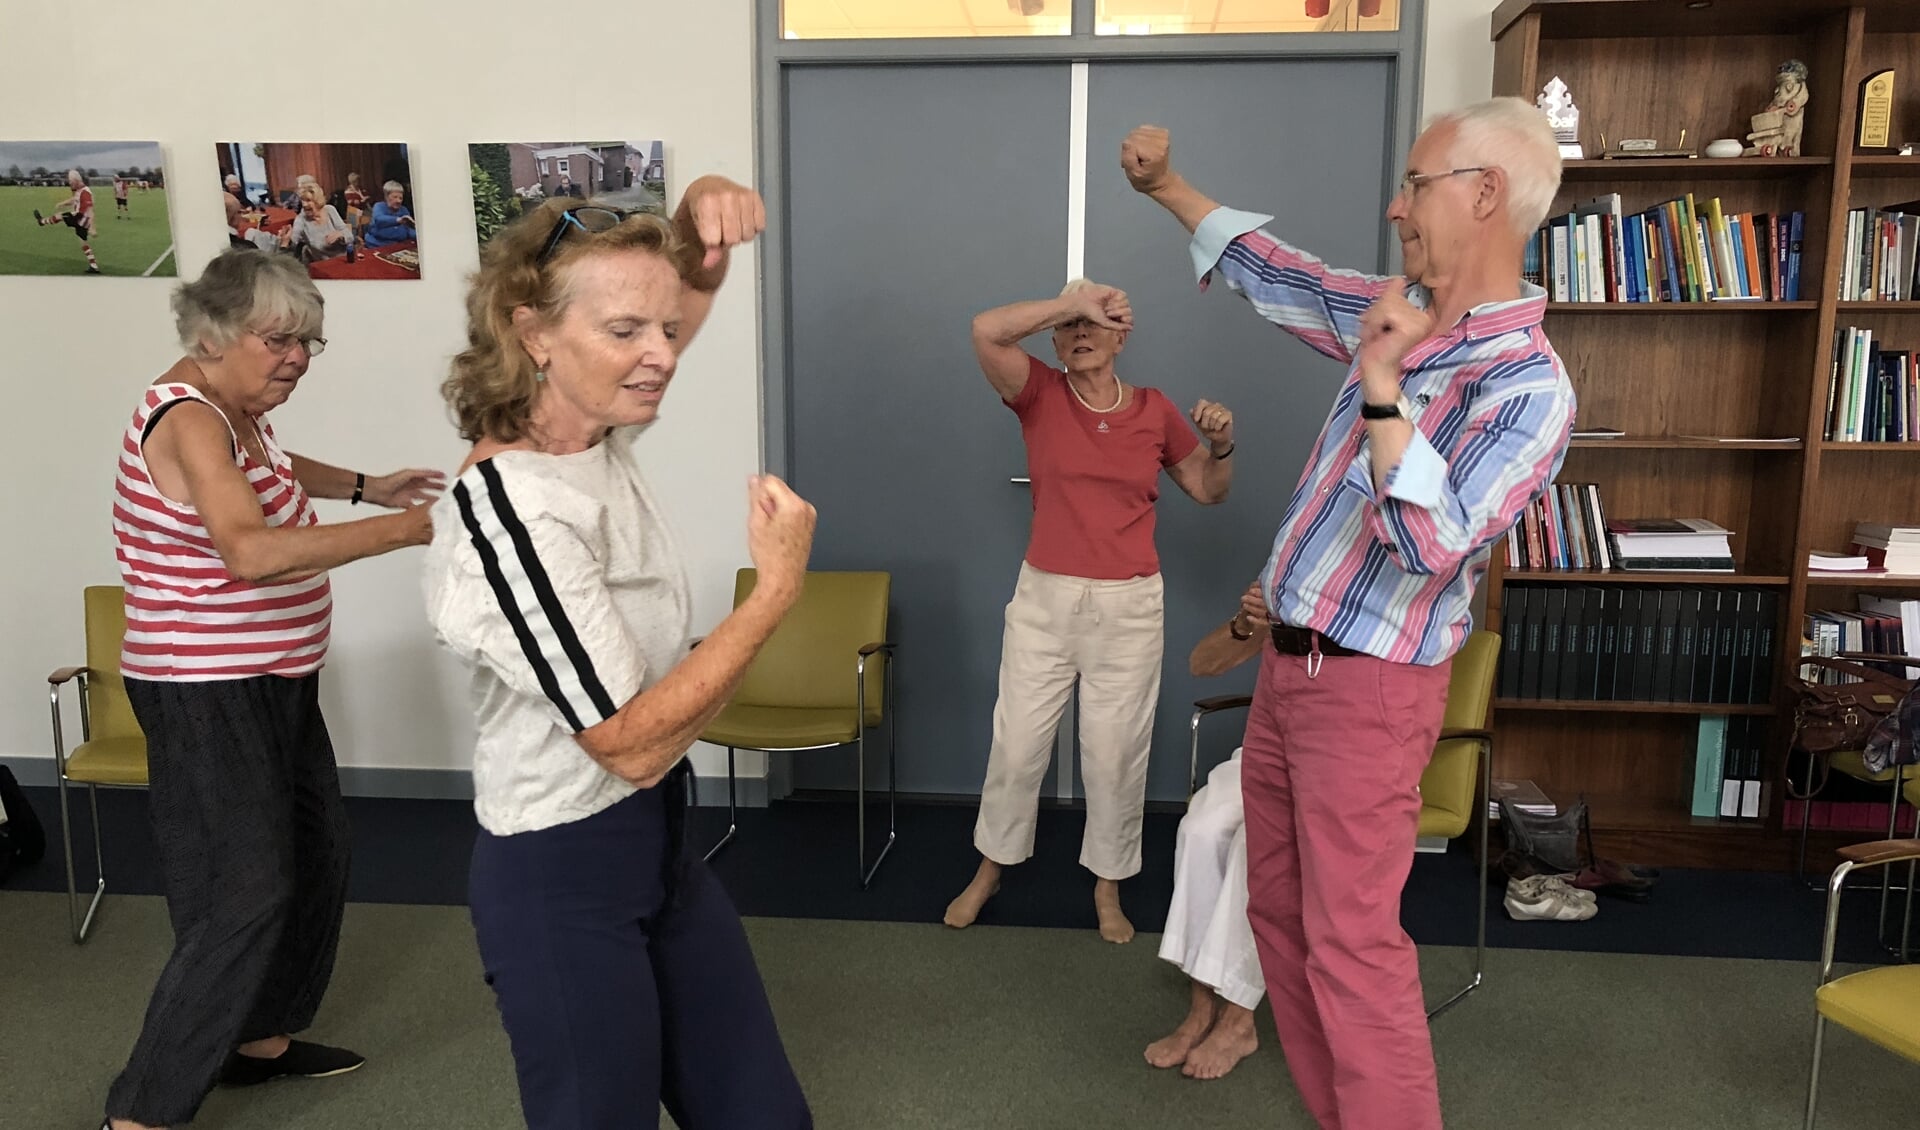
(555, 580)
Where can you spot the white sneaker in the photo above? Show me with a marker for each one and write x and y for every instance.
(1543, 898)
(1562, 885)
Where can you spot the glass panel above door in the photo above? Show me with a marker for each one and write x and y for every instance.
(925, 19)
(1242, 17)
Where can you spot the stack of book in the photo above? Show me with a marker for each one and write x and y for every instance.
(1892, 549)
(1681, 250)
(1656, 545)
(1882, 255)
(1619, 643)
(1727, 768)
(1523, 795)
(1565, 528)
(1883, 625)
(1873, 393)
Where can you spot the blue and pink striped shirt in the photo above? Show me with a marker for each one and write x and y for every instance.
(1392, 572)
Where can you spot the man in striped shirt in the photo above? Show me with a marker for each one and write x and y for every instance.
(1454, 414)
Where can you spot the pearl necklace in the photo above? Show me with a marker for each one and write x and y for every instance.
(1119, 398)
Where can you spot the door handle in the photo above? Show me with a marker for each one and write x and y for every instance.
(1021, 482)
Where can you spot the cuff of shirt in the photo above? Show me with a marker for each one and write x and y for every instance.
(1419, 476)
(1221, 227)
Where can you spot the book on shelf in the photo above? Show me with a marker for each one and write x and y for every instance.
(1878, 624)
(1523, 795)
(1621, 643)
(1680, 250)
(1598, 432)
(1567, 527)
(1890, 549)
(1728, 760)
(1745, 439)
(1820, 561)
(1882, 254)
(1671, 545)
(1873, 392)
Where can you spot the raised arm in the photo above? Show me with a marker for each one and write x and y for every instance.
(715, 215)
(1292, 289)
(997, 333)
(190, 454)
(645, 737)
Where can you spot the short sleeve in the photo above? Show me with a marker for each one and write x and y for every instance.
(1040, 377)
(550, 630)
(1180, 438)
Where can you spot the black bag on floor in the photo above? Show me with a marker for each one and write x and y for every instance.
(22, 841)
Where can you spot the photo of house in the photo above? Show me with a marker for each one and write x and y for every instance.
(509, 177)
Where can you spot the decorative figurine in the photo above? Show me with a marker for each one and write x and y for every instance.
(1557, 103)
(1777, 129)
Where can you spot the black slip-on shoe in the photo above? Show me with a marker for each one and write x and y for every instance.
(301, 1060)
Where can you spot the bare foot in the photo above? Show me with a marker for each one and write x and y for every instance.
(1171, 1051)
(986, 883)
(1114, 926)
(1232, 1040)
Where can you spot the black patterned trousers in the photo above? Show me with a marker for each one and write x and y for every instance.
(253, 844)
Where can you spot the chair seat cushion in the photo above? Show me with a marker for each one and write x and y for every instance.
(781, 727)
(1881, 1004)
(1854, 764)
(109, 761)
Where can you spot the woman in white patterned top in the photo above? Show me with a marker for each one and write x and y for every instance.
(620, 968)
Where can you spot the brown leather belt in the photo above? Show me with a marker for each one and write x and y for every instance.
(1289, 640)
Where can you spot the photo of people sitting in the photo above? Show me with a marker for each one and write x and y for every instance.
(310, 200)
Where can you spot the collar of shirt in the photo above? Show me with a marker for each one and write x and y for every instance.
(1489, 319)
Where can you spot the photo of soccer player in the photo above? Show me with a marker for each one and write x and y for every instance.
(52, 208)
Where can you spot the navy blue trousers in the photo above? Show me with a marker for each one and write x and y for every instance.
(624, 978)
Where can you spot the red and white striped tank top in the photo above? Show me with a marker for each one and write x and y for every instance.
(189, 619)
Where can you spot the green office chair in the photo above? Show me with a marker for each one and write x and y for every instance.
(112, 752)
(812, 687)
(1448, 787)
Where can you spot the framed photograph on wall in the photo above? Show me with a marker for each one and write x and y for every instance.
(84, 208)
(512, 177)
(345, 208)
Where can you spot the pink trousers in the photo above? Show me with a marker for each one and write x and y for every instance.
(1331, 775)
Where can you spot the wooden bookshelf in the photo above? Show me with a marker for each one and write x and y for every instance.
(1667, 373)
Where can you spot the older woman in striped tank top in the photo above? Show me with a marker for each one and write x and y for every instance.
(228, 608)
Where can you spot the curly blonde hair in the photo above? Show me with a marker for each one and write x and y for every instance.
(492, 386)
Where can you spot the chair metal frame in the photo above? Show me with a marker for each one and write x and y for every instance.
(82, 926)
(1482, 737)
(1854, 857)
(891, 721)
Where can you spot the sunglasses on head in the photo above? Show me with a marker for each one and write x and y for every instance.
(588, 218)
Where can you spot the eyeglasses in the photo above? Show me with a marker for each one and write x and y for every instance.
(588, 218)
(283, 344)
(1411, 183)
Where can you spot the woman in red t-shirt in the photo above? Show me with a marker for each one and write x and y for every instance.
(1088, 604)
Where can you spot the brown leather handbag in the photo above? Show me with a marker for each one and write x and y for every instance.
(1830, 717)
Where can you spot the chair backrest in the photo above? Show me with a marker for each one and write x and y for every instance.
(1470, 684)
(811, 658)
(109, 713)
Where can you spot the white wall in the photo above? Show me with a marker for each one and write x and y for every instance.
(76, 350)
(188, 73)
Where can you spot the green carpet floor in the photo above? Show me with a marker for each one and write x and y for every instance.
(915, 1026)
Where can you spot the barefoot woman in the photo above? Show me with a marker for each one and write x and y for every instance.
(1088, 604)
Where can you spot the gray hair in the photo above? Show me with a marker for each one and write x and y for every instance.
(1514, 136)
(245, 290)
(393, 186)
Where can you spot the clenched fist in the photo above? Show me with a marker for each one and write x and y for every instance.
(1215, 423)
(1389, 329)
(779, 536)
(1145, 156)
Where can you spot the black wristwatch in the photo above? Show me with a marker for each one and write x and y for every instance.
(1233, 628)
(1401, 409)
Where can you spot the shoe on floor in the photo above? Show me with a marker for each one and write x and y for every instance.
(1545, 898)
(301, 1060)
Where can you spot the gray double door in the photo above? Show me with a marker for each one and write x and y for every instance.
(919, 196)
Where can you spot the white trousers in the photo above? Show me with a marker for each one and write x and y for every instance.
(1208, 935)
(1110, 636)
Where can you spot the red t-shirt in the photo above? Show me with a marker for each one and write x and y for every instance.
(1096, 476)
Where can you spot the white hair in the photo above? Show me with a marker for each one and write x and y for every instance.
(246, 290)
(1514, 136)
(393, 186)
